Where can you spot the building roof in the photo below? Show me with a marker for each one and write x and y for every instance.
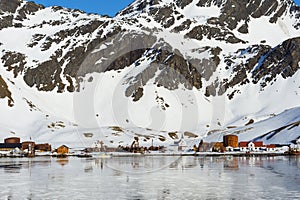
(258, 144)
(63, 146)
(231, 135)
(28, 142)
(243, 144)
(12, 138)
(271, 146)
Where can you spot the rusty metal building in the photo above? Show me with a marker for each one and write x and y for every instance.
(231, 141)
(12, 140)
(27, 145)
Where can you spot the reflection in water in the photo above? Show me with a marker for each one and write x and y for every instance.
(12, 168)
(150, 178)
(231, 163)
(62, 161)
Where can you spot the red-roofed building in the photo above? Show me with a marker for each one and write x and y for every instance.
(243, 144)
(271, 147)
(257, 146)
(252, 146)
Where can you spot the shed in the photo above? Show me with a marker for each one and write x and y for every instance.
(62, 150)
(218, 147)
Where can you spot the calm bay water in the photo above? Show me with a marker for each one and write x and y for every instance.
(150, 178)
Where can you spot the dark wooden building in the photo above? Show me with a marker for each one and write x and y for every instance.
(9, 146)
(43, 147)
(27, 145)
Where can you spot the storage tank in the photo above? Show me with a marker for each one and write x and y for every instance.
(231, 141)
(12, 140)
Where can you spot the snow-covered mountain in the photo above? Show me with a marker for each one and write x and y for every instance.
(204, 66)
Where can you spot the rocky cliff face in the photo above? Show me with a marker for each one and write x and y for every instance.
(62, 70)
(215, 48)
(5, 93)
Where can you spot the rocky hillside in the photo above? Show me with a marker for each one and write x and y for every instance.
(184, 65)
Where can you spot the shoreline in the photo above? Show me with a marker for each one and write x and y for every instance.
(205, 154)
(154, 154)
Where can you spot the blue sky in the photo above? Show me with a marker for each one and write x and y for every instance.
(109, 7)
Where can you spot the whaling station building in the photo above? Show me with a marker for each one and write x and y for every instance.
(27, 148)
(231, 143)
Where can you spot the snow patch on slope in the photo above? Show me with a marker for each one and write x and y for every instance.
(272, 127)
(200, 14)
